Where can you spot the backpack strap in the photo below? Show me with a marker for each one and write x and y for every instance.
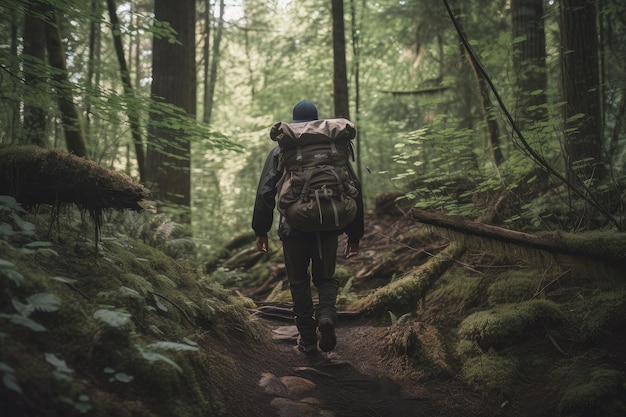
(307, 184)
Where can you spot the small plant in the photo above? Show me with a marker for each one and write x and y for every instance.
(150, 353)
(45, 302)
(118, 376)
(8, 378)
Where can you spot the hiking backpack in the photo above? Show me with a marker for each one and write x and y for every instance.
(316, 191)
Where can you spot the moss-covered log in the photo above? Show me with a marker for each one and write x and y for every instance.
(605, 247)
(34, 176)
(402, 296)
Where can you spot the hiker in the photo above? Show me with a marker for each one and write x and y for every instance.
(314, 248)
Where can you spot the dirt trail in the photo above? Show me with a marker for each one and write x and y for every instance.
(355, 380)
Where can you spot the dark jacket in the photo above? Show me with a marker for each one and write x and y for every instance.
(263, 215)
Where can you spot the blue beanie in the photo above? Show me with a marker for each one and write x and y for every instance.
(305, 111)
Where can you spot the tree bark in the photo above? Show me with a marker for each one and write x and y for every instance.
(581, 90)
(132, 112)
(403, 295)
(215, 59)
(529, 59)
(206, 57)
(72, 120)
(35, 50)
(340, 73)
(168, 166)
(600, 247)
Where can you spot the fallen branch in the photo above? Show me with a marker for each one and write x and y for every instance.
(606, 247)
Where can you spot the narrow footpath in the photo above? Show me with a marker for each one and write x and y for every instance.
(355, 380)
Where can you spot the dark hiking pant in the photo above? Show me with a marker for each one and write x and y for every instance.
(319, 251)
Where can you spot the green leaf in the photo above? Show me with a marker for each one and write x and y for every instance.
(10, 382)
(47, 252)
(192, 343)
(64, 280)
(123, 377)
(6, 229)
(112, 318)
(172, 346)
(12, 274)
(6, 264)
(59, 364)
(22, 308)
(6, 368)
(22, 224)
(155, 357)
(129, 292)
(44, 302)
(38, 244)
(159, 304)
(24, 321)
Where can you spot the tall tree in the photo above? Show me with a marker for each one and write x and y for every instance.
(215, 59)
(73, 127)
(581, 89)
(529, 59)
(34, 58)
(340, 73)
(206, 58)
(174, 83)
(133, 113)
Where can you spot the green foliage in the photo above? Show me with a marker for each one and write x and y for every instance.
(112, 318)
(104, 316)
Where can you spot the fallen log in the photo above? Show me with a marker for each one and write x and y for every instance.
(36, 176)
(606, 247)
(403, 295)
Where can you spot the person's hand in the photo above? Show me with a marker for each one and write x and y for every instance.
(261, 243)
(352, 249)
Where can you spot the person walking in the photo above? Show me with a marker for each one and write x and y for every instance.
(314, 251)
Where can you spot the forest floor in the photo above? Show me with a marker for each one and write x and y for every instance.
(363, 376)
(412, 363)
(355, 380)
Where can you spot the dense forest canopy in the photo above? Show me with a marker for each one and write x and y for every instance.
(452, 99)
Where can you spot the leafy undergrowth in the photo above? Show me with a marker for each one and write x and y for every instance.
(523, 339)
(129, 332)
(532, 340)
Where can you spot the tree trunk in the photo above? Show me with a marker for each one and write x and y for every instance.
(340, 74)
(206, 55)
(581, 87)
(488, 109)
(133, 113)
(356, 52)
(210, 95)
(35, 50)
(72, 120)
(529, 59)
(173, 82)
(13, 103)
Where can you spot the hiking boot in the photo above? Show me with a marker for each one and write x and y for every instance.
(308, 350)
(328, 340)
